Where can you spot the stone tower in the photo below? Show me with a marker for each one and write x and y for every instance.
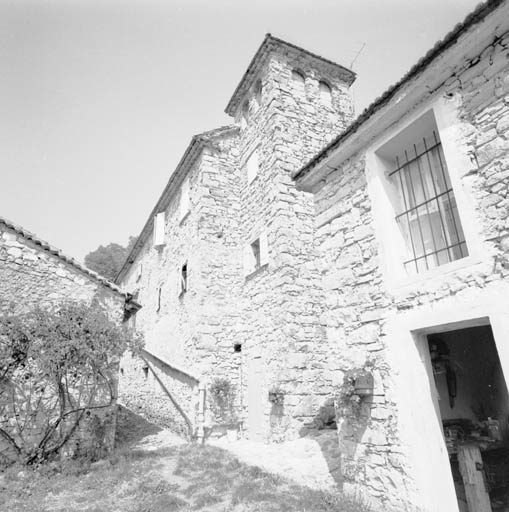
(289, 104)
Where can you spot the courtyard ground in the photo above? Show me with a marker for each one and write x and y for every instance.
(154, 471)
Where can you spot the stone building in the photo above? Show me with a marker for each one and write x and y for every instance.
(385, 263)
(413, 232)
(32, 274)
(225, 266)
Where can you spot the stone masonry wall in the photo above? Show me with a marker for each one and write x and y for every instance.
(145, 385)
(194, 331)
(31, 276)
(281, 303)
(360, 306)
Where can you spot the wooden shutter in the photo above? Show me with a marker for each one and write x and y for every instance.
(252, 166)
(159, 229)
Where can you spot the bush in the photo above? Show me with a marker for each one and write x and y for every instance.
(222, 403)
(55, 367)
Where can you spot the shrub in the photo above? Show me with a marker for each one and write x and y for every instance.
(55, 367)
(222, 403)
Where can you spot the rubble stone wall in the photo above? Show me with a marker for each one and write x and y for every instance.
(30, 277)
(281, 302)
(145, 384)
(365, 315)
(196, 330)
(274, 313)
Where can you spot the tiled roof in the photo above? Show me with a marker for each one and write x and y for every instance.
(197, 143)
(45, 246)
(476, 16)
(269, 43)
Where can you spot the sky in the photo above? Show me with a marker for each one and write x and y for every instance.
(99, 99)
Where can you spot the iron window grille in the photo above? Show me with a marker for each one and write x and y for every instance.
(430, 222)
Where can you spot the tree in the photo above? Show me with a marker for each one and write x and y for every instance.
(108, 260)
(56, 366)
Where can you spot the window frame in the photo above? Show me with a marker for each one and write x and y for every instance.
(428, 197)
(325, 93)
(298, 81)
(248, 165)
(259, 255)
(158, 235)
(391, 246)
(258, 93)
(184, 279)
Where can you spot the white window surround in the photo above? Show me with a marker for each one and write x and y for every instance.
(256, 254)
(184, 203)
(392, 247)
(159, 220)
(252, 166)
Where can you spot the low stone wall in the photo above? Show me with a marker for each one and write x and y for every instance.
(160, 393)
(34, 274)
(31, 275)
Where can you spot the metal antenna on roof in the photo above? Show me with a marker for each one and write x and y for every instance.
(358, 53)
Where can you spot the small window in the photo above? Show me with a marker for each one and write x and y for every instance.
(325, 93)
(237, 347)
(298, 80)
(244, 115)
(184, 199)
(258, 92)
(159, 229)
(252, 166)
(256, 254)
(183, 279)
(159, 291)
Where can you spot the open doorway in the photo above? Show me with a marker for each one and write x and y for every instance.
(474, 409)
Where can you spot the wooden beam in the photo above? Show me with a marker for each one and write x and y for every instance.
(471, 469)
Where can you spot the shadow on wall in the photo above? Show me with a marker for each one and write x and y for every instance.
(132, 428)
(337, 428)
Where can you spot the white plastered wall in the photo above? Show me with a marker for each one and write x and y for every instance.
(414, 389)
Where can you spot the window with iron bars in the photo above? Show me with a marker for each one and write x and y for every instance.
(429, 219)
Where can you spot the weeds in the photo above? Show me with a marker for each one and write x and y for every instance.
(181, 479)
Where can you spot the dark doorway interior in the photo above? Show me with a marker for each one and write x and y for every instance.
(474, 408)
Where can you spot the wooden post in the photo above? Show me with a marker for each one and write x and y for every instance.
(471, 469)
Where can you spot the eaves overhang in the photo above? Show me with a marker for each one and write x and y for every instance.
(421, 81)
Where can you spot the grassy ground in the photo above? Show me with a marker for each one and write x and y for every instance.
(178, 478)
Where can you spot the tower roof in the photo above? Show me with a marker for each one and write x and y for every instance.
(269, 44)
